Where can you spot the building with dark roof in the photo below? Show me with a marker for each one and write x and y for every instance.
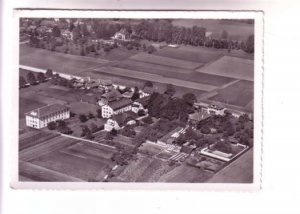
(116, 107)
(118, 121)
(40, 117)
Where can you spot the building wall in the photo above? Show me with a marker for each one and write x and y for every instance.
(107, 111)
(39, 123)
(111, 124)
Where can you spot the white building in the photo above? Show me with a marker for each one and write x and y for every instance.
(39, 118)
(140, 104)
(146, 91)
(116, 107)
(118, 121)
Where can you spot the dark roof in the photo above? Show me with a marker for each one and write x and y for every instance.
(121, 119)
(148, 90)
(47, 110)
(186, 149)
(198, 116)
(112, 95)
(120, 103)
(144, 101)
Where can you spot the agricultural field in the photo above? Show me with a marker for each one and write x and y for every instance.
(60, 62)
(27, 104)
(199, 55)
(236, 30)
(237, 94)
(233, 67)
(186, 174)
(176, 73)
(65, 159)
(155, 78)
(161, 60)
(239, 171)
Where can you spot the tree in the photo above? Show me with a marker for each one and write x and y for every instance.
(128, 131)
(224, 34)
(189, 98)
(136, 94)
(148, 120)
(49, 73)
(22, 82)
(41, 77)
(170, 90)
(141, 113)
(83, 118)
(99, 113)
(151, 49)
(249, 46)
(94, 127)
(31, 78)
(205, 130)
(91, 115)
(51, 125)
(114, 132)
(109, 136)
(56, 31)
(148, 84)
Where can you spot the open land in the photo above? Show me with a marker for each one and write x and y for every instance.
(239, 171)
(236, 31)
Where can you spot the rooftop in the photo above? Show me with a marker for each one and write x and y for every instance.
(198, 116)
(120, 103)
(144, 101)
(47, 110)
(121, 119)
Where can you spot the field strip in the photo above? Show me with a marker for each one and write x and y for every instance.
(88, 141)
(31, 170)
(42, 149)
(162, 60)
(155, 78)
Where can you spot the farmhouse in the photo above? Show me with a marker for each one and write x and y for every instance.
(119, 121)
(122, 35)
(198, 116)
(140, 104)
(216, 110)
(110, 96)
(116, 107)
(39, 118)
(146, 91)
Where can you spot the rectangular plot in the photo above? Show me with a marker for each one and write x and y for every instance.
(176, 73)
(74, 166)
(231, 67)
(199, 56)
(28, 104)
(144, 57)
(238, 94)
(155, 78)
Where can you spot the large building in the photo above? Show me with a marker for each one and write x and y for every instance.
(39, 118)
(116, 107)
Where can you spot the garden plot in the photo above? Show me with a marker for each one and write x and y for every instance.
(233, 67)
(161, 60)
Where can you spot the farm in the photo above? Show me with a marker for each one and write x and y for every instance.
(65, 158)
(60, 62)
(231, 67)
(155, 59)
(238, 94)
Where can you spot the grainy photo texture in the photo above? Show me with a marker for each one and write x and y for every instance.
(136, 100)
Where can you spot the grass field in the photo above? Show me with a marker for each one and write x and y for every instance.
(161, 60)
(199, 55)
(155, 78)
(60, 62)
(186, 174)
(239, 171)
(27, 104)
(176, 73)
(62, 158)
(236, 31)
(238, 94)
(231, 67)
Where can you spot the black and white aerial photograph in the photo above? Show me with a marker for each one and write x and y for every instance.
(143, 100)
